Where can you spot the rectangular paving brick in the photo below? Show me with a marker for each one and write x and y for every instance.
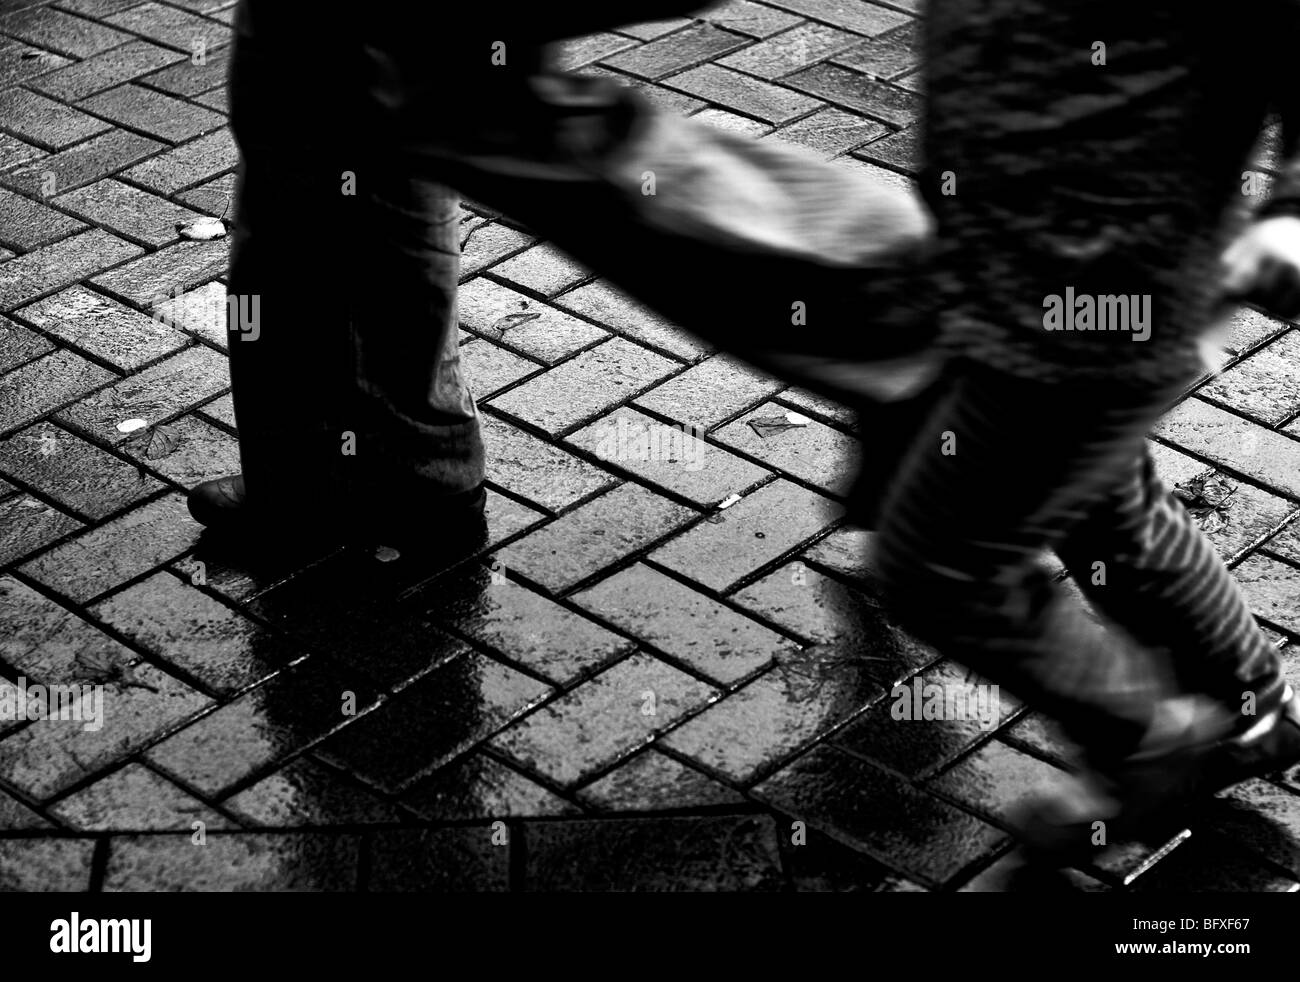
(881, 815)
(543, 269)
(1272, 589)
(81, 164)
(852, 15)
(104, 70)
(134, 797)
(487, 368)
(39, 865)
(536, 470)
(26, 224)
(886, 56)
(1249, 328)
(153, 113)
(187, 451)
(433, 720)
(187, 629)
(28, 524)
(675, 52)
(790, 51)
(750, 129)
(215, 197)
(218, 100)
(649, 30)
(830, 132)
(131, 213)
(99, 325)
(576, 52)
(191, 163)
(669, 456)
(743, 93)
(307, 793)
(58, 31)
(82, 478)
(168, 272)
(160, 392)
(746, 17)
(995, 778)
(813, 452)
(47, 643)
(201, 312)
(858, 92)
(603, 719)
(1205, 430)
(585, 386)
(18, 345)
(901, 150)
(14, 152)
(507, 317)
(44, 122)
(593, 536)
(615, 311)
(748, 535)
(167, 25)
(32, 390)
(101, 558)
(715, 389)
(20, 61)
(1265, 385)
(261, 727)
(483, 243)
(716, 641)
(316, 863)
(189, 77)
(34, 274)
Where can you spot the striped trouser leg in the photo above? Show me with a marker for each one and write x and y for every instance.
(1004, 469)
(1144, 563)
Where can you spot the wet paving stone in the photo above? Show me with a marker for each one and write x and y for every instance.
(155, 395)
(813, 452)
(45, 865)
(200, 312)
(69, 35)
(712, 391)
(1014, 874)
(195, 162)
(186, 628)
(588, 384)
(753, 532)
(1198, 427)
(102, 327)
(616, 312)
(82, 478)
(453, 707)
(19, 62)
(505, 316)
(861, 806)
(671, 54)
(1261, 816)
(756, 727)
(26, 224)
(723, 853)
(18, 345)
(603, 719)
(1272, 590)
(1264, 386)
(261, 727)
(188, 78)
(153, 113)
(525, 627)
(166, 273)
(33, 389)
(863, 18)
(1212, 864)
(82, 164)
(167, 25)
(104, 70)
(901, 151)
(714, 640)
(846, 551)
(506, 517)
(312, 862)
(995, 778)
(187, 451)
(215, 198)
(138, 800)
(787, 52)
(740, 125)
(45, 123)
(488, 368)
(1037, 734)
(48, 757)
(669, 456)
(28, 524)
(886, 56)
(859, 93)
(48, 643)
(745, 17)
(830, 132)
(220, 410)
(477, 786)
(652, 781)
(30, 276)
(537, 471)
(576, 52)
(816, 863)
(15, 816)
(773, 104)
(305, 792)
(103, 557)
(459, 860)
(594, 536)
(131, 213)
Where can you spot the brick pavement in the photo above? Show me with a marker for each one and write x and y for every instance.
(630, 687)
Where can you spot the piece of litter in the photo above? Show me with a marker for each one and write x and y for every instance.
(131, 425)
(766, 426)
(202, 229)
(728, 501)
(386, 554)
(797, 419)
(503, 324)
